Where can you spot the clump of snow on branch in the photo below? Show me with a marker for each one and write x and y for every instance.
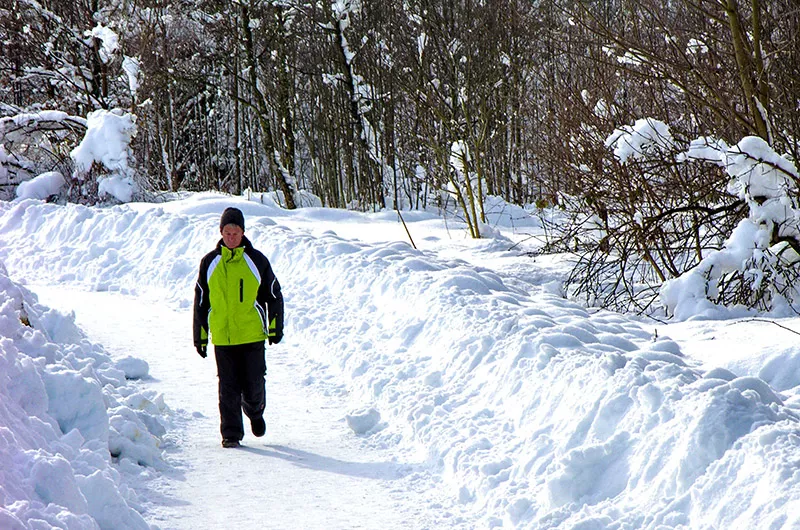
(18, 127)
(42, 186)
(759, 172)
(696, 47)
(767, 182)
(342, 10)
(705, 149)
(645, 138)
(107, 143)
(109, 42)
(131, 67)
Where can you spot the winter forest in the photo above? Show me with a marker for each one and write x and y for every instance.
(666, 132)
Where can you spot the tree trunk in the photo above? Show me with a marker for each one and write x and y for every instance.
(263, 116)
(755, 101)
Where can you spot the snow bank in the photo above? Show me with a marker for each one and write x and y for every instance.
(538, 413)
(69, 424)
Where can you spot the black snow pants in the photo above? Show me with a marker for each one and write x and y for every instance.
(241, 370)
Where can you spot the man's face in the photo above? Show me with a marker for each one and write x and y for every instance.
(232, 235)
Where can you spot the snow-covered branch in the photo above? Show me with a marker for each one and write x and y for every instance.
(757, 265)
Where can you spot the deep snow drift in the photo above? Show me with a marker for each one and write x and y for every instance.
(66, 409)
(537, 412)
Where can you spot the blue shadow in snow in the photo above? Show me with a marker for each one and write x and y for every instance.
(304, 459)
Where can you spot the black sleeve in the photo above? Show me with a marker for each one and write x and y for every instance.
(269, 295)
(201, 306)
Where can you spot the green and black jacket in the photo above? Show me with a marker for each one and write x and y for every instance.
(237, 299)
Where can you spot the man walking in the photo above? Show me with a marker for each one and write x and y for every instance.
(238, 301)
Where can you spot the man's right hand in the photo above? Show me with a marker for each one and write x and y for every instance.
(202, 350)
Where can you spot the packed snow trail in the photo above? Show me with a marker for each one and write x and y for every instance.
(308, 472)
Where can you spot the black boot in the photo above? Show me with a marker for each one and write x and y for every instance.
(259, 427)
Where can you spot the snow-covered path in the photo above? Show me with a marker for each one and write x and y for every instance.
(309, 471)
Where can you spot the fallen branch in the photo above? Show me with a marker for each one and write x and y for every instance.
(769, 322)
(406, 227)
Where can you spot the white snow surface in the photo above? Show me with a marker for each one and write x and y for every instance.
(446, 387)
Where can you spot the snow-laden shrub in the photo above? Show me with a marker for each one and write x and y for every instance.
(641, 216)
(103, 158)
(757, 267)
(34, 143)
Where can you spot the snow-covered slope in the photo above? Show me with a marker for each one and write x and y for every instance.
(65, 409)
(537, 412)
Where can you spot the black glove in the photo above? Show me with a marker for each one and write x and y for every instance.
(202, 350)
(276, 338)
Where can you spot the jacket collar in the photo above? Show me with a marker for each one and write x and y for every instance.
(244, 244)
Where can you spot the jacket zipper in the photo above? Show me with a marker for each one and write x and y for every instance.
(241, 290)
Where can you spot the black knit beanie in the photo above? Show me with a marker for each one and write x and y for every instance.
(231, 216)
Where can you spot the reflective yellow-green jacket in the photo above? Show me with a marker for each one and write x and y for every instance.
(237, 299)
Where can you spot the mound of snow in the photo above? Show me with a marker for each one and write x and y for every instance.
(69, 424)
(363, 421)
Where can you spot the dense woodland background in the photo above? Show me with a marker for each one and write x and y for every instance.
(425, 103)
